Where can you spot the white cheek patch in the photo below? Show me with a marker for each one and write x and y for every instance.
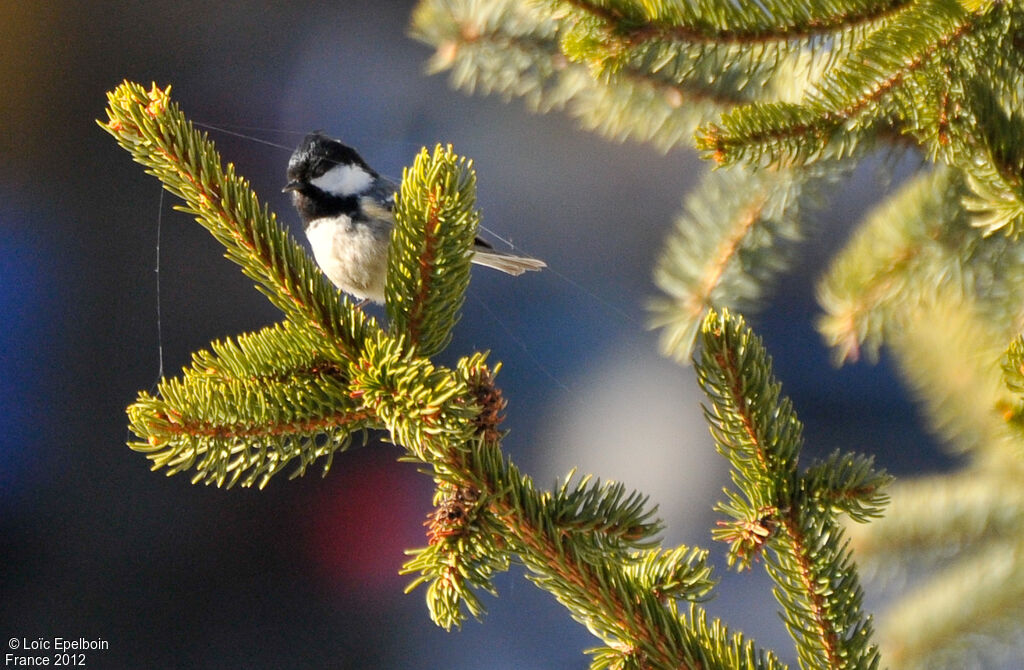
(343, 180)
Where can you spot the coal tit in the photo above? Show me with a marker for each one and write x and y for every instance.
(347, 211)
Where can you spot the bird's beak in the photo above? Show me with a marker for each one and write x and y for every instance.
(293, 185)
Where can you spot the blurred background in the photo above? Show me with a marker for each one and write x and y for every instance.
(304, 573)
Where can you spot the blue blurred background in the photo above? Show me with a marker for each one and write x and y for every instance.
(304, 574)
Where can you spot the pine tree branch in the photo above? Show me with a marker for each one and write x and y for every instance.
(692, 307)
(897, 259)
(962, 522)
(757, 430)
(978, 428)
(226, 453)
(603, 595)
(717, 24)
(724, 249)
(995, 162)
(942, 74)
(588, 505)
(515, 49)
(290, 391)
(244, 411)
(298, 390)
(753, 426)
(1013, 367)
(275, 353)
(447, 442)
(464, 554)
(848, 484)
(931, 518)
(935, 625)
(589, 572)
(428, 265)
(883, 66)
(909, 42)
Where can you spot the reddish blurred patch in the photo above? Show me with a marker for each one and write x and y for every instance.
(368, 512)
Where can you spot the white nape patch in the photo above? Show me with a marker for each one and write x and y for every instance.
(343, 180)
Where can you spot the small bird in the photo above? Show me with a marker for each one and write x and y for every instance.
(347, 211)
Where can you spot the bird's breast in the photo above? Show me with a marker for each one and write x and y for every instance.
(353, 254)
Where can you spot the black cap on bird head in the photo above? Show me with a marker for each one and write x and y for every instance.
(317, 154)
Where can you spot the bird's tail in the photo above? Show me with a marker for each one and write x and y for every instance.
(507, 263)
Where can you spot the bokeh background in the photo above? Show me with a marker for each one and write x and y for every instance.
(304, 573)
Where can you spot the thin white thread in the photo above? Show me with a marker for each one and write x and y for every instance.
(225, 126)
(159, 315)
(243, 136)
(508, 331)
(522, 345)
(226, 129)
(569, 280)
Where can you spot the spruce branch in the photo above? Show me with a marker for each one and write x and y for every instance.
(623, 596)
(1012, 364)
(797, 84)
(905, 43)
(300, 389)
(937, 624)
(753, 426)
(940, 71)
(848, 484)
(903, 251)
(609, 509)
(463, 556)
(275, 353)
(290, 391)
(424, 407)
(537, 53)
(954, 527)
(586, 565)
(933, 518)
(717, 24)
(979, 428)
(897, 69)
(967, 525)
(724, 249)
(501, 47)
(429, 258)
(997, 160)
(941, 75)
(614, 42)
(246, 410)
(916, 250)
(774, 508)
